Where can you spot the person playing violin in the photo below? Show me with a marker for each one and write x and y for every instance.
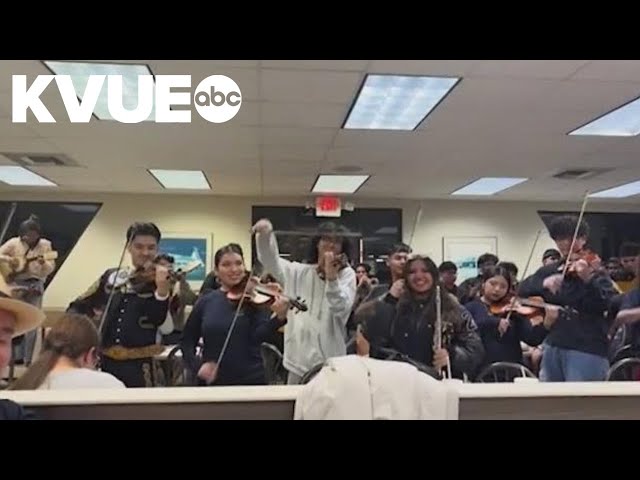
(500, 331)
(576, 347)
(327, 283)
(212, 318)
(182, 295)
(470, 288)
(129, 327)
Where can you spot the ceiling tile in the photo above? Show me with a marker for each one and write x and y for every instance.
(300, 86)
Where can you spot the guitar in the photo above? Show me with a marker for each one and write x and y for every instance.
(9, 271)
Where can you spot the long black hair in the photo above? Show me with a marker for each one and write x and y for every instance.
(229, 248)
(408, 300)
(327, 229)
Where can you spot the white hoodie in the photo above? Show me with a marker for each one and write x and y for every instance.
(362, 388)
(320, 333)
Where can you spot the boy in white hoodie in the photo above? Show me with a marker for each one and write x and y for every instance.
(328, 288)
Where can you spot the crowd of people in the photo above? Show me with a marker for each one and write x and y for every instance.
(560, 321)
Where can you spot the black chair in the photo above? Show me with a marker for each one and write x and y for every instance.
(176, 372)
(627, 351)
(625, 370)
(502, 372)
(274, 371)
(619, 341)
(312, 372)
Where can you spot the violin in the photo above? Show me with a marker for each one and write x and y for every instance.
(340, 261)
(260, 293)
(530, 307)
(144, 277)
(592, 258)
(527, 307)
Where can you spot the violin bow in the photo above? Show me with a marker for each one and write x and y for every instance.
(415, 223)
(311, 233)
(103, 316)
(524, 274)
(575, 234)
(7, 221)
(233, 324)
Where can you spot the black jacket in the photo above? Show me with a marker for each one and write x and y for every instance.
(389, 325)
(10, 410)
(133, 318)
(583, 326)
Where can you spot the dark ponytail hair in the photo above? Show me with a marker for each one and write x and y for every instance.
(499, 271)
(230, 248)
(72, 336)
(30, 224)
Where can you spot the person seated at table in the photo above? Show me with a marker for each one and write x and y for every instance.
(68, 359)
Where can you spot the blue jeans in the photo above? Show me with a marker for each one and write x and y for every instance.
(562, 365)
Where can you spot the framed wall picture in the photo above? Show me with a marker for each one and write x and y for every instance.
(187, 249)
(464, 252)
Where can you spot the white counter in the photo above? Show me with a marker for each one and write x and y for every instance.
(154, 395)
(288, 393)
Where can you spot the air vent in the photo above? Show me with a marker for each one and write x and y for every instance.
(41, 159)
(580, 173)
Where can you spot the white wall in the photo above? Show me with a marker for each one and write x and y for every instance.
(229, 220)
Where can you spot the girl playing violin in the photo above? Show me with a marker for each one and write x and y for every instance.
(212, 318)
(502, 333)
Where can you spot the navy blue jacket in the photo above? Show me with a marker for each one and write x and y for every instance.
(584, 331)
(505, 348)
(211, 320)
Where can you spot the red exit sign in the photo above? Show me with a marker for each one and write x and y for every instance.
(328, 207)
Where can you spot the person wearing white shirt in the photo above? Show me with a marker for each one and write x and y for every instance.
(355, 387)
(68, 359)
(327, 285)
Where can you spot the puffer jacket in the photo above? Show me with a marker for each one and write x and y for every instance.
(407, 328)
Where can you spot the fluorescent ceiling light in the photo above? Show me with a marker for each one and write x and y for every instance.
(80, 72)
(622, 122)
(339, 183)
(22, 177)
(489, 185)
(393, 102)
(181, 179)
(622, 191)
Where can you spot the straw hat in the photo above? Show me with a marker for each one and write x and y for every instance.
(28, 317)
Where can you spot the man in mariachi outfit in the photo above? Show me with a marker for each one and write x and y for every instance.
(134, 309)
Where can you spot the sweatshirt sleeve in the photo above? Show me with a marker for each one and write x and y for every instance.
(341, 293)
(7, 250)
(269, 256)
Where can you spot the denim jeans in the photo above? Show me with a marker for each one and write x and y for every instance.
(562, 365)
